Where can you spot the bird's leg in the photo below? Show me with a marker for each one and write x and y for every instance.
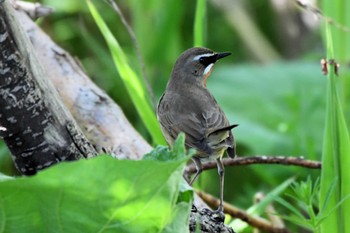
(221, 172)
(199, 169)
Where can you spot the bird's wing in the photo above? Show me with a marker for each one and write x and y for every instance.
(196, 121)
(223, 136)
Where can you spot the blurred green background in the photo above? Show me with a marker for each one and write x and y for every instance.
(271, 85)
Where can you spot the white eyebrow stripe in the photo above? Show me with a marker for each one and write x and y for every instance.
(207, 69)
(196, 58)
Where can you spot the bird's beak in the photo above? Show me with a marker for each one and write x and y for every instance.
(222, 55)
(207, 60)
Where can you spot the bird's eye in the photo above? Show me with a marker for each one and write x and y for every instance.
(205, 61)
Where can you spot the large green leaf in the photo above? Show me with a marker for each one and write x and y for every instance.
(97, 195)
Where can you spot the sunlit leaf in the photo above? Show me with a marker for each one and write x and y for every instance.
(97, 195)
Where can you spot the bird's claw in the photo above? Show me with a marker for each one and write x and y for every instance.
(218, 216)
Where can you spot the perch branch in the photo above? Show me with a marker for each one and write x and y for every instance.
(263, 159)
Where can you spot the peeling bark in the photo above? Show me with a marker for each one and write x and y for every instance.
(39, 130)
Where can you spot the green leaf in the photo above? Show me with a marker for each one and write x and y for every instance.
(179, 217)
(178, 151)
(5, 177)
(97, 195)
(335, 157)
(301, 222)
(186, 191)
(160, 153)
(324, 205)
(291, 208)
(131, 80)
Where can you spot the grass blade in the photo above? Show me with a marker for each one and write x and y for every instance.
(199, 23)
(132, 82)
(335, 157)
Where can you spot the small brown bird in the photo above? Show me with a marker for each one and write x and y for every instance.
(187, 106)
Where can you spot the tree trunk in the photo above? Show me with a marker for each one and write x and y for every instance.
(37, 128)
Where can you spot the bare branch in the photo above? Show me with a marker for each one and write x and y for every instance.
(262, 159)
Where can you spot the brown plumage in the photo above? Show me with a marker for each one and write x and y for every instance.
(187, 106)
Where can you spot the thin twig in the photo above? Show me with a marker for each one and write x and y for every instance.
(318, 13)
(262, 159)
(116, 8)
(235, 212)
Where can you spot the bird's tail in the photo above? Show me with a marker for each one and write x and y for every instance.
(219, 136)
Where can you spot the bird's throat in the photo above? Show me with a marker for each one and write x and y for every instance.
(206, 73)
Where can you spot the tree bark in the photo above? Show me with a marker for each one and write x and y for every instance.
(100, 118)
(37, 128)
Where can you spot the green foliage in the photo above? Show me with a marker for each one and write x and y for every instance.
(279, 107)
(259, 208)
(305, 195)
(131, 80)
(337, 10)
(101, 195)
(97, 195)
(336, 150)
(178, 151)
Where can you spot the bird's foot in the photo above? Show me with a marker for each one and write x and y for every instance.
(217, 215)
